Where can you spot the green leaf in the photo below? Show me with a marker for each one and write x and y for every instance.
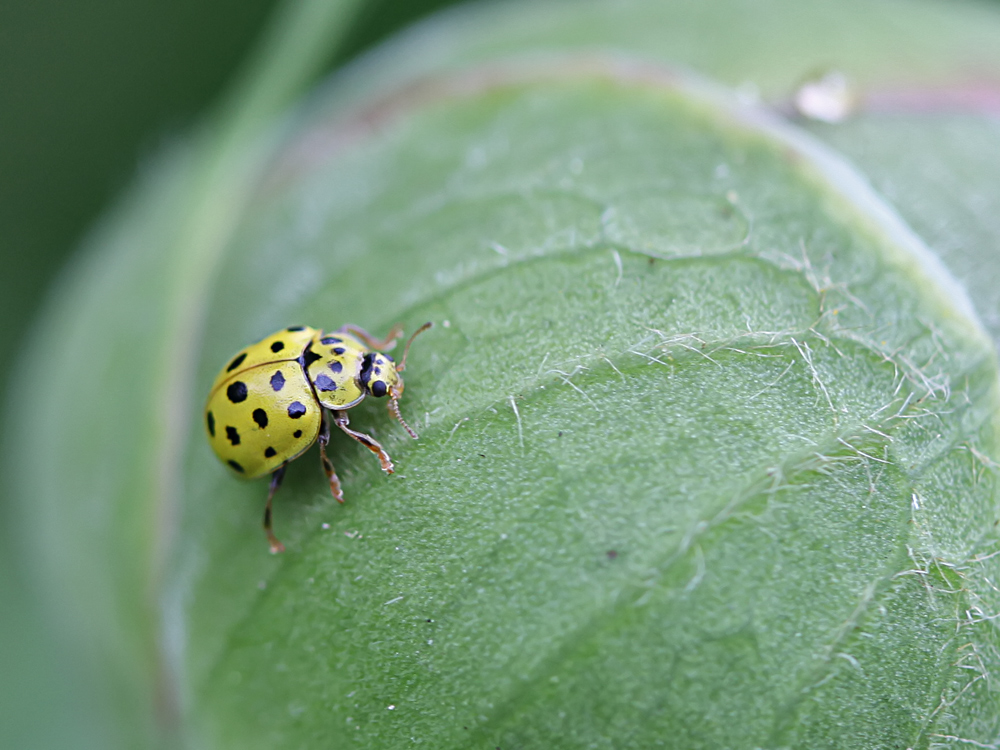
(697, 422)
(708, 435)
(940, 170)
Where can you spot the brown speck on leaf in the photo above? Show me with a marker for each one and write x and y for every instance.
(612, 554)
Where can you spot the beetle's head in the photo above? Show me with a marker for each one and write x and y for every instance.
(380, 377)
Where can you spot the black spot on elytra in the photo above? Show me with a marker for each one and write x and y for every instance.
(233, 435)
(210, 418)
(308, 356)
(235, 466)
(277, 346)
(277, 381)
(260, 417)
(296, 410)
(293, 329)
(270, 452)
(378, 388)
(236, 362)
(325, 383)
(366, 368)
(297, 434)
(237, 392)
(329, 340)
(338, 350)
(336, 367)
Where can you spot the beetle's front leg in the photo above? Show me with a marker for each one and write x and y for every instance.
(340, 419)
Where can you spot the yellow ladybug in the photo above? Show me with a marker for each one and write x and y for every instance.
(268, 405)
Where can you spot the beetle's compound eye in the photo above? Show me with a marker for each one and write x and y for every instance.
(378, 388)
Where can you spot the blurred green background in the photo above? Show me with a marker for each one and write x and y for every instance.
(89, 91)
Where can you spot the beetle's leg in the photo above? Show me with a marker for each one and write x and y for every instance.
(324, 438)
(340, 419)
(276, 478)
(379, 345)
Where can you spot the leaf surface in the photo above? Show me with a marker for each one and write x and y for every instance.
(692, 423)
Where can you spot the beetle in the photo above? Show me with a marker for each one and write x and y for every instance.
(277, 397)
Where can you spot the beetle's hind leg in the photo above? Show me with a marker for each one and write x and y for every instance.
(331, 474)
(379, 345)
(340, 419)
(276, 478)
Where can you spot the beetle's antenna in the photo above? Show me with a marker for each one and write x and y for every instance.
(402, 364)
(395, 391)
(394, 395)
